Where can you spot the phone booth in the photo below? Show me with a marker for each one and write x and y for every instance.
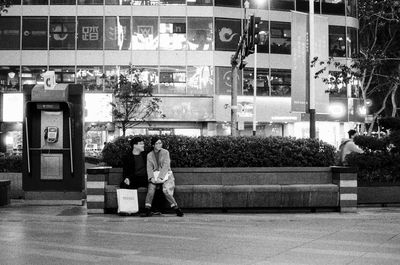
(52, 142)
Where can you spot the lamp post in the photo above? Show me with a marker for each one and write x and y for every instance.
(311, 92)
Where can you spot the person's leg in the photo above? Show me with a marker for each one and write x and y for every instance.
(151, 189)
(168, 189)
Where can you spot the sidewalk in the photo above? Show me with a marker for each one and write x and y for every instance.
(63, 234)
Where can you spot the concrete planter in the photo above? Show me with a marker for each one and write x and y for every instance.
(16, 191)
(379, 194)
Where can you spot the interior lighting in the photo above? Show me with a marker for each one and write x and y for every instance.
(337, 110)
(11, 75)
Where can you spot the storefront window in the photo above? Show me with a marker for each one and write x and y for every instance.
(9, 33)
(303, 6)
(262, 82)
(280, 83)
(90, 2)
(123, 2)
(227, 34)
(282, 5)
(200, 34)
(34, 35)
(91, 77)
(337, 43)
(9, 78)
(172, 80)
(64, 74)
(90, 33)
(199, 2)
(257, 4)
(35, 2)
(280, 37)
(333, 7)
(228, 3)
(172, 2)
(112, 74)
(263, 43)
(144, 33)
(31, 75)
(118, 33)
(336, 85)
(172, 33)
(351, 6)
(62, 2)
(351, 42)
(200, 80)
(223, 81)
(62, 33)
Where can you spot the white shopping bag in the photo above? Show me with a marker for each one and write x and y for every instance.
(127, 201)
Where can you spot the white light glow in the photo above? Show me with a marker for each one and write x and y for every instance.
(98, 107)
(12, 107)
(337, 110)
(9, 140)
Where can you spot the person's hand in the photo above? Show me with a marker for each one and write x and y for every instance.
(127, 182)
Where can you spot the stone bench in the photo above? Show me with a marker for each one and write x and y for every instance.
(238, 188)
(5, 192)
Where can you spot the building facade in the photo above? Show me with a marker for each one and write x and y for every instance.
(182, 47)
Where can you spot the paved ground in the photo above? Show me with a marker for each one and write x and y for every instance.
(66, 235)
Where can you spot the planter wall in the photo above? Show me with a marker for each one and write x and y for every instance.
(379, 195)
(16, 191)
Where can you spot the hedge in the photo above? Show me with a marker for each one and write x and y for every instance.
(11, 163)
(226, 151)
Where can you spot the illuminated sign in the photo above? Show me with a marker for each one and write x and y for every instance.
(98, 107)
(12, 107)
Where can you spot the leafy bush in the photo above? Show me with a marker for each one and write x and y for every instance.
(11, 163)
(225, 151)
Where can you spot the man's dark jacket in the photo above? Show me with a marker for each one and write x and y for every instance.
(129, 172)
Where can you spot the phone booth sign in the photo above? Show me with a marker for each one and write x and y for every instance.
(52, 135)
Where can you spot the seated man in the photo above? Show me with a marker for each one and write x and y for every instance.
(134, 168)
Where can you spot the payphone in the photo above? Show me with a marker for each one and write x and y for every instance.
(53, 146)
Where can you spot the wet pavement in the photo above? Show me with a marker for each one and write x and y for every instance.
(65, 234)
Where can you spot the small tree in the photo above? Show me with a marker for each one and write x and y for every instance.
(134, 103)
(4, 4)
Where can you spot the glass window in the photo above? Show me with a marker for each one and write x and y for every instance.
(34, 35)
(9, 78)
(333, 7)
(91, 77)
(172, 33)
(9, 33)
(121, 2)
(223, 80)
(118, 33)
(199, 2)
(351, 6)
(31, 75)
(90, 2)
(303, 6)
(336, 85)
(90, 33)
(280, 37)
(62, 33)
(35, 2)
(172, 2)
(64, 74)
(200, 34)
(229, 3)
(227, 34)
(145, 33)
(172, 80)
(337, 44)
(257, 4)
(282, 4)
(262, 82)
(351, 42)
(112, 74)
(62, 2)
(200, 80)
(148, 75)
(263, 36)
(281, 83)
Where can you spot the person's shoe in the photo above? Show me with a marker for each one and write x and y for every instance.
(147, 213)
(179, 212)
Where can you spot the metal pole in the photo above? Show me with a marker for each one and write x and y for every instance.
(255, 92)
(234, 99)
(311, 100)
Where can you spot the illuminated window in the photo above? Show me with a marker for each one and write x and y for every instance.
(117, 33)
(90, 33)
(91, 77)
(333, 7)
(200, 80)
(122, 2)
(144, 33)
(200, 34)
(172, 80)
(9, 78)
(31, 75)
(62, 2)
(172, 2)
(199, 2)
(337, 43)
(351, 42)
(9, 33)
(35, 2)
(64, 74)
(280, 37)
(223, 81)
(228, 3)
(282, 4)
(262, 82)
(227, 34)
(281, 82)
(34, 33)
(62, 33)
(172, 34)
(351, 6)
(90, 2)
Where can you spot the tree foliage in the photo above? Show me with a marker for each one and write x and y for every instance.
(134, 103)
(4, 4)
(376, 68)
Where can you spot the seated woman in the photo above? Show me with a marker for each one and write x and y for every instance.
(159, 173)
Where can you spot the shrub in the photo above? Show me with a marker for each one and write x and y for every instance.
(11, 163)
(225, 151)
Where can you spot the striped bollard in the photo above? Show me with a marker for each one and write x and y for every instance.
(95, 188)
(346, 179)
